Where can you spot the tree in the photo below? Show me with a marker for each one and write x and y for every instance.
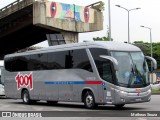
(100, 6)
(104, 38)
(145, 47)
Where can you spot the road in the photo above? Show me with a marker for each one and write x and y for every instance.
(78, 110)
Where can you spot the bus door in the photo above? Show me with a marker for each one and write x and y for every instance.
(104, 70)
(107, 86)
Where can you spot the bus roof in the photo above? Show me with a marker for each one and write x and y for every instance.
(109, 45)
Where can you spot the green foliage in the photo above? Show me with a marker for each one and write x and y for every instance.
(156, 91)
(100, 6)
(145, 47)
(104, 38)
(101, 38)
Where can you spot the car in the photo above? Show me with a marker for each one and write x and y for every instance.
(155, 85)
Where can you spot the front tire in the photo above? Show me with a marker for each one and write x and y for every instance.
(26, 97)
(89, 100)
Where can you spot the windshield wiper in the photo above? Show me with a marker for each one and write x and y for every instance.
(140, 75)
(131, 76)
(122, 84)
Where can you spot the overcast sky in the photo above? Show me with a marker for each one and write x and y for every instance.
(148, 16)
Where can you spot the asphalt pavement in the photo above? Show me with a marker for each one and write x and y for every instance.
(71, 111)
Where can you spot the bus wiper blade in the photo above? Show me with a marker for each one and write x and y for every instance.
(140, 75)
(131, 76)
(122, 84)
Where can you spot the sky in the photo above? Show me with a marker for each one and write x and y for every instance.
(147, 16)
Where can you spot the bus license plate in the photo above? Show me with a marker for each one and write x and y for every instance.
(139, 99)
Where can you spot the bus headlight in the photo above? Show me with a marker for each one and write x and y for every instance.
(149, 91)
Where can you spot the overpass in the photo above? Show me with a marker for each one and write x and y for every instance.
(26, 22)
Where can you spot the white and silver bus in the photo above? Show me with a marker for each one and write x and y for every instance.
(2, 92)
(95, 73)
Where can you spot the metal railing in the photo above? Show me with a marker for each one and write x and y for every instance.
(15, 2)
(11, 5)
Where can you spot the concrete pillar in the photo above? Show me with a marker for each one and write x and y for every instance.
(70, 37)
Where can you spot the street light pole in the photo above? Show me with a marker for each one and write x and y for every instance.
(128, 10)
(109, 16)
(150, 31)
(128, 28)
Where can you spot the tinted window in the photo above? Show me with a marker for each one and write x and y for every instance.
(46, 61)
(38, 62)
(69, 59)
(103, 65)
(56, 60)
(19, 63)
(7, 64)
(81, 60)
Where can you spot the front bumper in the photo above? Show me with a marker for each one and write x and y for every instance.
(122, 97)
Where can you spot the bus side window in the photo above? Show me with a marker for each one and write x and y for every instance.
(38, 62)
(56, 60)
(8, 64)
(21, 63)
(69, 60)
(103, 65)
(80, 60)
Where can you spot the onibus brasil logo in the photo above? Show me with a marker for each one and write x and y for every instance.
(24, 80)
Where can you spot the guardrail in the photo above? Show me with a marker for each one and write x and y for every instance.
(16, 5)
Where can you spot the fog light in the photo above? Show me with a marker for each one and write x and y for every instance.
(122, 99)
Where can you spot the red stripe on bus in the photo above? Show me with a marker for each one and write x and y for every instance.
(93, 82)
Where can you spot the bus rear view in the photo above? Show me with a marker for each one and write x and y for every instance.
(95, 73)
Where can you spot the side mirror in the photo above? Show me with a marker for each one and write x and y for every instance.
(113, 60)
(153, 61)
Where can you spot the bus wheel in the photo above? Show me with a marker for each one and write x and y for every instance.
(89, 100)
(119, 106)
(25, 97)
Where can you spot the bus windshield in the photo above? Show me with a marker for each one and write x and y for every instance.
(133, 70)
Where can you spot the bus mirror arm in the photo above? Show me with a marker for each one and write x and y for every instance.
(113, 60)
(153, 61)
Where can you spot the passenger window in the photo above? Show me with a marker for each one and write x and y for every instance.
(56, 60)
(7, 64)
(38, 61)
(81, 60)
(47, 61)
(103, 65)
(19, 63)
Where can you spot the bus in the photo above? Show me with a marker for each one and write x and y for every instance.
(94, 73)
(2, 92)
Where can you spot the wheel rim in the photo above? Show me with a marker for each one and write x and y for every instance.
(25, 97)
(89, 101)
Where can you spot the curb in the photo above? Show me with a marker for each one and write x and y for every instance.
(155, 93)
